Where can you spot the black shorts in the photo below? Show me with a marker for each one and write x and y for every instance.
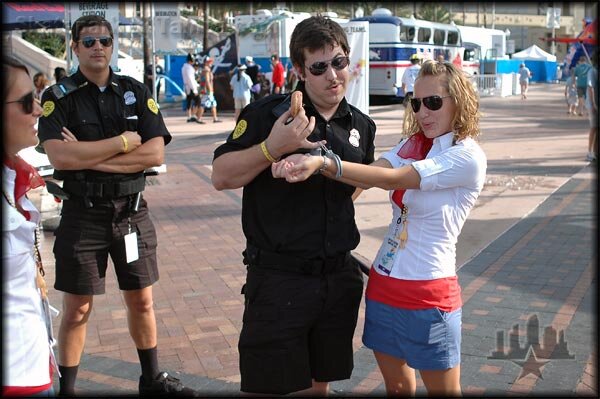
(86, 236)
(298, 327)
(192, 100)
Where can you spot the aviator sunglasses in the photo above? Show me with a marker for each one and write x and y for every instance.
(26, 101)
(432, 102)
(89, 41)
(320, 67)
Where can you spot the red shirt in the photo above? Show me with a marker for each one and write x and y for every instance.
(278, 79)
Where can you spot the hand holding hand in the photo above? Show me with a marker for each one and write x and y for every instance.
(300, 169)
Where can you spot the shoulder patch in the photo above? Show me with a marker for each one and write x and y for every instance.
(152, 106)
(48, 108)
(240, 128)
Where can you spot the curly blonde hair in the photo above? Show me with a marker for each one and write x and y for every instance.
(466, 120)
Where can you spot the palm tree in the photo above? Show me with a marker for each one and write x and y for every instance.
(434, 12)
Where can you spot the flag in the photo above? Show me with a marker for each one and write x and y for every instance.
(224, 55)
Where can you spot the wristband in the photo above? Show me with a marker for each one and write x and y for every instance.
(125, 143)
(266, 153)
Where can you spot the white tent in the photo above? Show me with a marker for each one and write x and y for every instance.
(533, 53)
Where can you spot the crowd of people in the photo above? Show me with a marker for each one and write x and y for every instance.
(323, 155)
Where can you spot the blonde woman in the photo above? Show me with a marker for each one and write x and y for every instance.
(435, 175)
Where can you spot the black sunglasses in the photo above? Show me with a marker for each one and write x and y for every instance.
(27, 101)
(319, 68)
(89, 41)
(432, 102)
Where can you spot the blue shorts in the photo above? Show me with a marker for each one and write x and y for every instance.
(427, 339)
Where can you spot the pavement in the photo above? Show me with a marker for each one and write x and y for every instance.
(526, 262)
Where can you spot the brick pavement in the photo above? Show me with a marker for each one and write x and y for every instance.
(538, 265)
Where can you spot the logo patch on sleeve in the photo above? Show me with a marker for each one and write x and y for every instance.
(48, 108)
(152, 106)
(240, 128)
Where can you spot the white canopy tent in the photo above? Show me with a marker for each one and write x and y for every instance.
(533, 53)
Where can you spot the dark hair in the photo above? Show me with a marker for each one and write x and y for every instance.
(87, 21)
(8, 63)
(313, 34)
(59, 73)
(189, 58)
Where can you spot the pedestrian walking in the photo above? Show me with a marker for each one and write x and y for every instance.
(191, 88)
(571, 94)
(253, 71)
(116, 132)
(278, 78)
(240, 84)
(413, 302)
(524, 76)
(207, 89)
(303, 289)
(40, 84)
(592, 107)
(409, 77)
(27, 339)
(581, 71)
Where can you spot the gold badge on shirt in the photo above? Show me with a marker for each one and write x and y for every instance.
(240, 128)
(152, 106)
(48, 108)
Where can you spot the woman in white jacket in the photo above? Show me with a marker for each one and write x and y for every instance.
(27, 335)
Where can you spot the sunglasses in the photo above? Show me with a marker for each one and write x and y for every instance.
(432, 102)
(89, 41)
(319, 68)
(27, 102)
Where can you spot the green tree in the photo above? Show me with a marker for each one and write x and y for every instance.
(434, 12)
(52, 43)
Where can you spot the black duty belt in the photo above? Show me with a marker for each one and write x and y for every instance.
(104, 189)
(273, 260)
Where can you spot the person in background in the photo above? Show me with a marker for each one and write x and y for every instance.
(253, 69)
(150, 76)
(592, 108)
(116, 132)
(435, 175)
(278, 78)
(28, 360)
(571, 94)
(208, 100)
(303, 289)
(524, 76)
(40, 83)
(240, 84)
(59, 73)
(191, 88)
(409, 77)
(581, 71)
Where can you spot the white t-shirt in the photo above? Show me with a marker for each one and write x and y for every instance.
(409, 77)
(189, 80)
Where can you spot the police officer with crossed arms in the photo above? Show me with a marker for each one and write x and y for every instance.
(100, 132)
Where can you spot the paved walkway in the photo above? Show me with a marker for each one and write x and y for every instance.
(526, 263)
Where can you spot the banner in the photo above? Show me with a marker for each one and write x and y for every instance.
(357, 92)
(166, 28)
(224, 55)
(109, 11)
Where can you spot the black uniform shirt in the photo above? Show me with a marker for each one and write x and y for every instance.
(311, 219)
(93, 115)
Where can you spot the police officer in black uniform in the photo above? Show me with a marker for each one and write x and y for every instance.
(303, 289)
(101, 131)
